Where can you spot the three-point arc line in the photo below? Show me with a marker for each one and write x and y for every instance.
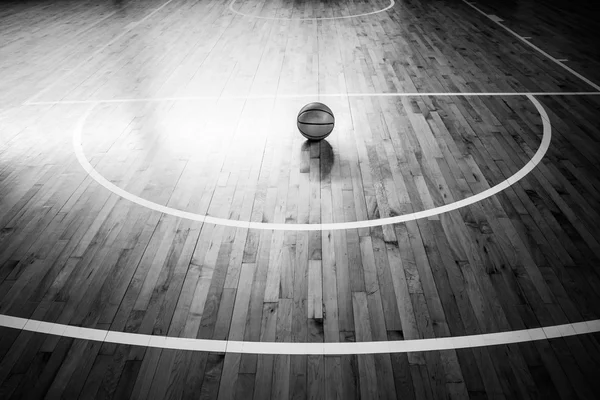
(541, 151)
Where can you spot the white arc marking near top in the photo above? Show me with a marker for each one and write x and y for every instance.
(392, 3)
(547, 135)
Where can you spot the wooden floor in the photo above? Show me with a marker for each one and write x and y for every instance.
(188, 106)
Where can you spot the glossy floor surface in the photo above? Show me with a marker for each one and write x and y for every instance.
(155, 192)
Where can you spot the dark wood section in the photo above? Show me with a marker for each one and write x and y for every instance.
(564, 29)
(219, 139)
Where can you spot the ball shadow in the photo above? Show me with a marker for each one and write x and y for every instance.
(324, 152)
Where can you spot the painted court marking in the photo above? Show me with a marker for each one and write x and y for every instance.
(392, 3)
(383, 347)
(328, 348)
(79, 153)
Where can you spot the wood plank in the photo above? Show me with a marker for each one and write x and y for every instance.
(192, 107)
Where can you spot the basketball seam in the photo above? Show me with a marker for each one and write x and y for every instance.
(315, 123)
(317, 109)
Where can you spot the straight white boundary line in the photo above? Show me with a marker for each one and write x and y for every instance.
(557, 61)
(327, 348)
(308, 95)
(545, 144)
(128, 29)
(392, 3)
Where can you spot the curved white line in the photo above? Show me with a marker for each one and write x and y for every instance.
(327, 348)
(392, 3)
(547, 135)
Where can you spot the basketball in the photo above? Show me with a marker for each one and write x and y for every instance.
(315, 121)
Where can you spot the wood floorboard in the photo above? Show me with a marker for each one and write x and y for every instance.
(188, 106)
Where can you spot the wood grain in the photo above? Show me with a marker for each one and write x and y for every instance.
(193, 107)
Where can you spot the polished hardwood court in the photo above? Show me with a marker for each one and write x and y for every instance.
(154, 188)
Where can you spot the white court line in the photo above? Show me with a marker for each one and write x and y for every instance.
(527, 42)
(392, 3)
(545, 144)
(308, 95)
(128, 29)
(328, 348)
